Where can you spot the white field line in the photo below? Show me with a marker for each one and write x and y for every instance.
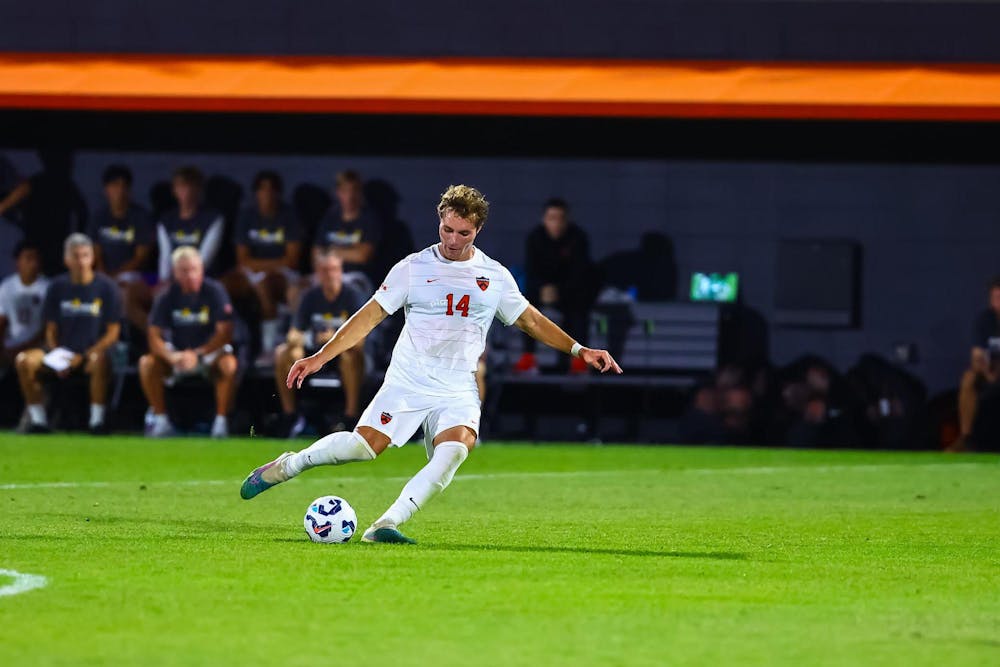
(749, 470)
(22, 582)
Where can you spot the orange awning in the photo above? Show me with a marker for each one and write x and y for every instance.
(500, 87)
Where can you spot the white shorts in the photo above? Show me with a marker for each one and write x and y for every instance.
(399, 411)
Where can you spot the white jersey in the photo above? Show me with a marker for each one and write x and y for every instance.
(22, 306)
(449, 307)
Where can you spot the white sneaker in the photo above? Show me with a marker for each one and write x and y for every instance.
(162, 428)
(220, 427)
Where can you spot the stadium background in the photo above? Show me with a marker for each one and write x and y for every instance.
(142, 552)
(918, 196)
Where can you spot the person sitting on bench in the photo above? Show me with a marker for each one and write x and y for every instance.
(190, 331)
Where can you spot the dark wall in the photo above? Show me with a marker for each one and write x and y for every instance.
(930, 234)
(908, 30)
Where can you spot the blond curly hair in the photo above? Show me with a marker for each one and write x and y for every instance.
(465, 202)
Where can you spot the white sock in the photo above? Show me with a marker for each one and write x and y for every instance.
(160, 420)
(432, 479)
(36, 413)
(331, 450)
(220, 422)
(96, 414)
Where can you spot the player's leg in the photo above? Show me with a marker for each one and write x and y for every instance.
(331, 450)
(153, 374)
(454, 427)
(223, 372)
(29, 364)
(98, 368)
(363, 444)
(352, 375)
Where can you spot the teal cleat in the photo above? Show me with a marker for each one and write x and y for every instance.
(264, 477)
(386, 535)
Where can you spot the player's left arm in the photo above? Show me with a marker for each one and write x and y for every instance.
(544, 330)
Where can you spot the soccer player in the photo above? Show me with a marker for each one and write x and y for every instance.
(450, 293)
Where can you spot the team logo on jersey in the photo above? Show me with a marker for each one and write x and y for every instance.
(267, 237)
(118, 234)
(483, 282)
(80, 307)
(385, 418)
(188, 316)
(187, 238)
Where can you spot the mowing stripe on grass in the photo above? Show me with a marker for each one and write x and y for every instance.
(22, 582)
(750, 470)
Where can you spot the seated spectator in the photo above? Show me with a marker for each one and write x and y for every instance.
(559, 275)
(351, 229)
(21, 298)
(189, 224)
(322, 310)
(82, 312)
(984, 366)
(722, 412)
(190, 331)
(816, 406)
(123, 236)
(268, 244)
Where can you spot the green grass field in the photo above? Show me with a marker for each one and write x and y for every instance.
(536, 555)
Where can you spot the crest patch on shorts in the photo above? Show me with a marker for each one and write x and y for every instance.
(385, 418)
(483, 282)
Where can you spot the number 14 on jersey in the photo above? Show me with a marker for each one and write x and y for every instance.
(462, 306)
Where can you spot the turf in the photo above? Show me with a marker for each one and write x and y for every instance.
(547, 555)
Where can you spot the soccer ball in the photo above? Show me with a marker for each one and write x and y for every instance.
(330, 520)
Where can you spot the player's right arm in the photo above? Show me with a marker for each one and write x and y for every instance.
(350, 334)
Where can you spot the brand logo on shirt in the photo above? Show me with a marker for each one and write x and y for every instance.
(77, 307)
(186, 316)
(385, 418)
(483, 282)
(118, 234)
(187, 238)
(267, 237)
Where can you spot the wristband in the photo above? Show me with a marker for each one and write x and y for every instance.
(575, 350)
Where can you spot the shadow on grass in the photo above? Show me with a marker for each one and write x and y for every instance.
(534, 549)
